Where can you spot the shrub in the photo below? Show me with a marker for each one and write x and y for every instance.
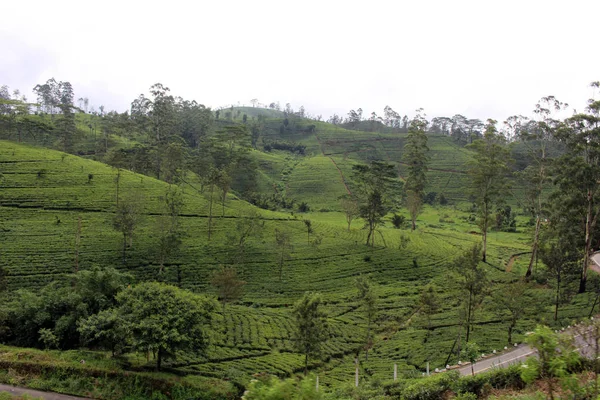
(430, 388)
(398, 220)
(303, 207)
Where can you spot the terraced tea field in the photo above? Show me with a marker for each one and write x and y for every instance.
(44, 193)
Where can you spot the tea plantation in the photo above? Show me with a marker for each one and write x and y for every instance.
(45, 195)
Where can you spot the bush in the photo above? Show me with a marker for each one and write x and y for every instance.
(303, 207)
(430, 388)
(398, 220)
(502, 378)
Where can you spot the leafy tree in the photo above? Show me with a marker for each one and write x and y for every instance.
(555, 356)
(229, 287)
(537, 135)
(246, 228)
(578, 182)
(283, 241)
(169, 225)
(165, 319)
(515, 299)
(126, 220)
(429, 304)
(350, 208)
(309, 229)
(472, 281)
(311, 328)
(374, 183)
(368, 300)
(415, 155)
(488, 173)
(560, 260)
(106, 329)
(471, 352)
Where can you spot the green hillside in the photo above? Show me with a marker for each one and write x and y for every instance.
(43, 193)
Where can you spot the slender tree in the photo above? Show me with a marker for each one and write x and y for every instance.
(578, 181)
(126, 221)
(283, 241)
(415, 155)
(472, 282)
(538, 135)
(311, 328)
(229, 287)
(368, 300)
(350, 208)
(488, 171)
(375, 186)
(429, 304)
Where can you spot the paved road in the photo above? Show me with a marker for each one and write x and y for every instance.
(17, 391)
(518, 355)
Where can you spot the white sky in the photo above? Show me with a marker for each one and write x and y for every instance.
(478, 58)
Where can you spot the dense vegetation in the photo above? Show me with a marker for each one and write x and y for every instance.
(109, 219)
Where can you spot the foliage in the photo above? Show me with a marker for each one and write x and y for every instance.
(311, 327)
(488, 173)
(229, 287)
(415, 155)
(367, 298)
(555, 357)
(271, 388)
(375, 187)
(473, 283)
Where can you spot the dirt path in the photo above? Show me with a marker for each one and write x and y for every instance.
(18, 391)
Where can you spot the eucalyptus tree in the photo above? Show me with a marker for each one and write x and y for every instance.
(415, 155)
(375, 184)
(578, 181)
(311, 328)
(488, 171)
(537, 134)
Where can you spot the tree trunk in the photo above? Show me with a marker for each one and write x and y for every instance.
(159, 359)
(469, 316)
(594, 305)
(210, 205)
(472, 370)
(124, 247)
(557, 298)
(588, 243)
(510, 331)
(485, 229)
(280, 266)
(534, 247)
(414, 225)
(305, 364)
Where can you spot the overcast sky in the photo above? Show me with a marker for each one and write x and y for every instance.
(477, 58)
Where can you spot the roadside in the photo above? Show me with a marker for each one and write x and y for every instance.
(17, 391)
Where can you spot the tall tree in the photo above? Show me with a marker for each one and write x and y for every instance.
(537, 135)
(429, 304)
(516, 299)
(472, 282)
(350, 208)
(368, 301)
(246, 227)
(229, 287)
(415, 155)
(283, 242)
(488, 171)
(375, 188)
(311, 326)
(578, 180)
(169, 225)
(126, 220)
(165, 319)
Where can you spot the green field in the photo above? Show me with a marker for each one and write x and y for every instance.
(43, 194)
